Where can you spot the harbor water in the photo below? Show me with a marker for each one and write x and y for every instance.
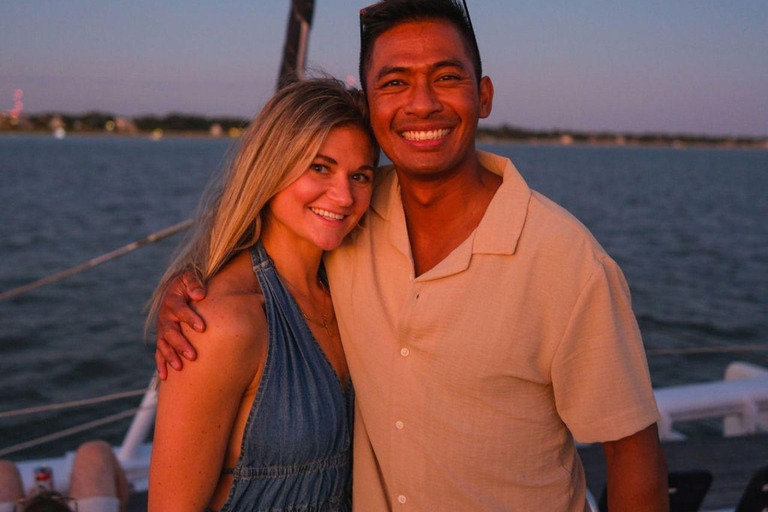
(687, 226)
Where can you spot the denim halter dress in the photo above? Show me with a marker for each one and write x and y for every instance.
(296, 453)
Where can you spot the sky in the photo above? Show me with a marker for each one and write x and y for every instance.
(686, 66)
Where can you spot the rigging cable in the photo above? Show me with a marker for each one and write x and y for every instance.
(75, 403)
(154, 237)
(69, 431)
(706, 350)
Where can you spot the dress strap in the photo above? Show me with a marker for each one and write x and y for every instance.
(259, 257)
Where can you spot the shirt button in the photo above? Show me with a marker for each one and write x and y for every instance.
(405, 352)
(399, 425)
(401, 499)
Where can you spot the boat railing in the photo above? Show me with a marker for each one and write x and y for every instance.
(133, 453)
(141, 424)
(94, 262)
(741, 400)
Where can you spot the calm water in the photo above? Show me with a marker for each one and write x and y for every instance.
(688, 227)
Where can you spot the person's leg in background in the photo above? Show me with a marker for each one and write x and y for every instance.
(11, 488)
(97, 481)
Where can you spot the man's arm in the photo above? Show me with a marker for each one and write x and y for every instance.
(174, 311)
(637, 473)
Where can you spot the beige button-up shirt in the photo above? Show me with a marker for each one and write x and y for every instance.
(473, 378)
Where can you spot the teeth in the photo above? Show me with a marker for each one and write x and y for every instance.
(428, 135)
(326, 214)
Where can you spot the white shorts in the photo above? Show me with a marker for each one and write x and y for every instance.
(98, 504)
(95, 504)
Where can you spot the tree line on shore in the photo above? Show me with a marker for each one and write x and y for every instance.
(100, 122)
(567, 137)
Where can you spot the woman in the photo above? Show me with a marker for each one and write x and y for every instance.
(275, 432)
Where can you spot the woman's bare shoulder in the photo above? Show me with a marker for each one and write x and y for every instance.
(233, 310)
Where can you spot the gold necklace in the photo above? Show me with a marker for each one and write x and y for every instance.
(325, 324)
(327, 320)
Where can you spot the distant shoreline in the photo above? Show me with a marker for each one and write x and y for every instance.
(192, 126)
(670, 143)
(662, 143)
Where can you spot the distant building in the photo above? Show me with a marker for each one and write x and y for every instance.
(216, 130)
(566, 139)
(125, 125)
(55, 123)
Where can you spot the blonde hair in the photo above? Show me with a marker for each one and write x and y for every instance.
(274, 151)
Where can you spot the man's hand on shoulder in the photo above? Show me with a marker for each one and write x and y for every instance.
(175, 310)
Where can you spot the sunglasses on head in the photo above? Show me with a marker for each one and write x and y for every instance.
(372, 8)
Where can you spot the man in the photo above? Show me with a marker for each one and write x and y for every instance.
(483, 326)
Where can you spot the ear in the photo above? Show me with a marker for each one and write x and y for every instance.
(486, 97)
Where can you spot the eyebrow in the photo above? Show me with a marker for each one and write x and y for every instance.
(327, 159)
(390, 70)
(448, 63)
(334, 162)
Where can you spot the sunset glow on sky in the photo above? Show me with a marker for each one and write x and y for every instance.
(685, 66)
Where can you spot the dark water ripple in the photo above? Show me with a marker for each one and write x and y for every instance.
(687, 227)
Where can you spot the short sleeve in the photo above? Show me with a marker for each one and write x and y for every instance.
(600, 374)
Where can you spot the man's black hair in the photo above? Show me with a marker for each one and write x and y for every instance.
(380, 17)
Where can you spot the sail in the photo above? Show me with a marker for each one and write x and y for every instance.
(296, 42)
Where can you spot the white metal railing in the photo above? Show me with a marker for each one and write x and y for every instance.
(141, 425)
(741, 400)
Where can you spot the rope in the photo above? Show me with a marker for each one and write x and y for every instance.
(68, 432)
(76, 403)
(706, 350)
(154, 237)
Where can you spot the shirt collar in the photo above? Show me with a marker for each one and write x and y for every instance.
(500, 228)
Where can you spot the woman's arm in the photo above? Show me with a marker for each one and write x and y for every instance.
(197, 407)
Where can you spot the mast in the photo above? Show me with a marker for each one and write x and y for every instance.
(296, 42)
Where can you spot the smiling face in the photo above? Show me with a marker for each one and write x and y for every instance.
(325, 203)
(424, 98)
